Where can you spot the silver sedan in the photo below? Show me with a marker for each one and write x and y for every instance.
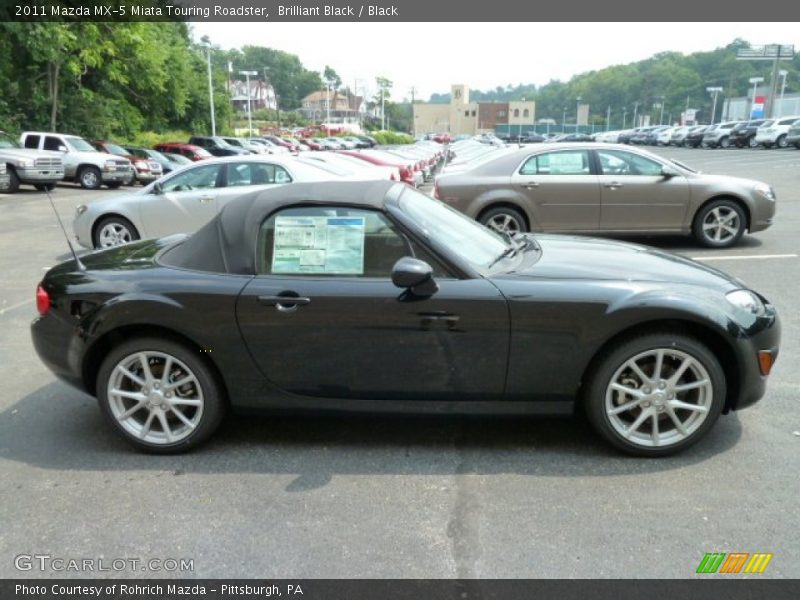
(603, 188)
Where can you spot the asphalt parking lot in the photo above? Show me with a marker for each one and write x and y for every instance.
(294, 497)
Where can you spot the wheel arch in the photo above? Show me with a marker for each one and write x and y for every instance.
(504, 202)
(726, 196)
(103, 216)
(705, 334)
(97, 352)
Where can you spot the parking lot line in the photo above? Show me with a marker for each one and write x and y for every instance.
(745, 257)
(14, 306)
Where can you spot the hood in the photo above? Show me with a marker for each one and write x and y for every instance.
(28, 153)
(573, 257)
(726, 180)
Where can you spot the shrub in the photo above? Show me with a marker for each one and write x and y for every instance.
(392, 137)
(148, 139)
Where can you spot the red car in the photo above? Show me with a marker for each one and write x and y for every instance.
(144, 171)
(406, 170)
(311, 144)
(190, 151)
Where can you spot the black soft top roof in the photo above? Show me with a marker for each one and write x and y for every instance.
(227, 243)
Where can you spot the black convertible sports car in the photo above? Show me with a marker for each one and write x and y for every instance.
(371, 296)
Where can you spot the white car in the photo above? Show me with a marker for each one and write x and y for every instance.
(773, 133)
(664, 137)
(343, 165)
(187, 198)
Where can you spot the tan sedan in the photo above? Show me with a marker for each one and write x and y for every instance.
(607, 188)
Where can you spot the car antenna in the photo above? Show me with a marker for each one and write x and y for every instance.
(81, 266)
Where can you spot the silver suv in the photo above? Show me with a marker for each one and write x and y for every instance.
(82, 163)
(38, 168)
(719, 135)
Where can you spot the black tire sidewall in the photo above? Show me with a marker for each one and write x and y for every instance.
(514, 213)
(105, 221)
(13, 182)
(213, 407)
(88, 169)
(594, 397)
(697, 226)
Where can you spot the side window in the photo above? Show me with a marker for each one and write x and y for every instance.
(256, 173)
(568, 162)
(619, 162)
(335, 241)
(194, 179)
(52, 143)
(32, 141)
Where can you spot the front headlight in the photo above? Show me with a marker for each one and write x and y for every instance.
(26, 164)
(764, 190)
(747, 301)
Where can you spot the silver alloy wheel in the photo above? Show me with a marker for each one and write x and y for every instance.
(155, 397)
(659, 397)
(504, 222)
(721, 224)
(89, 178)
(114, 234)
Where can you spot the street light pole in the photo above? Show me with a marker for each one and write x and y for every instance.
(783, 73)
(608, 117)
(249, 111)
(383, 108)
(577, 112)
(635, 110)
(715, 91)
(211, 91)
(624, 116)
(564, 121)
(328, 107)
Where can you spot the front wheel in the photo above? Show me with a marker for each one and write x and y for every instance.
(781, 141)
(504, 219)
(89, 178)
(159, 395)
(655, 394)
(13, 183)
(114, 231)
(752, 142)
(719, 224)
(724, 143)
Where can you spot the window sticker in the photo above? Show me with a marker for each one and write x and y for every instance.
(331, 245)
(566, 163)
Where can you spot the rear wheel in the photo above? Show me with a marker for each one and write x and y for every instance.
(159, 395)
(719, 224)
(504, 218)
(655, 394)
(114, 231)
(752, 142)
(724, 143)
(89, 178)
(781, 141)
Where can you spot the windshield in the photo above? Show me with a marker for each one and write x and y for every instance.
(79, 144)
(8, 142)
(458, 233)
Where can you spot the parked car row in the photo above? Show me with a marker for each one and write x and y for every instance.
(185, 199)
(768, 133)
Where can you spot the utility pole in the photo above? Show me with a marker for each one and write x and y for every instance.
(608, 117)
(211, 92)
(714, 91)
(383, 108)
(624, 116)
(247, 74)
(635, 111)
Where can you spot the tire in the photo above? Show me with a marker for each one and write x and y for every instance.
(656, 402)
(114, 185)
(13, 183)
(719, 224)
(752, 143)
(45, 187)
(89, 178)
(504, 218)
(781, 141)
(151, 422)
(724, 143)
(113, 231)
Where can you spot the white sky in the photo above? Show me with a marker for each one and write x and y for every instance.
(431, 56)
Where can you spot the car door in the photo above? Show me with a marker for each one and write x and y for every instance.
(562, 191)
(248, 176)
(183, 202)
(56, 144)
(636, 196)
(323, 318)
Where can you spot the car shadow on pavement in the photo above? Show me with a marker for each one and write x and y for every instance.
(682, 243)
(57, 427)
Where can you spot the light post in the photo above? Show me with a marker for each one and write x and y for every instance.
(328, 108)
(577, 112)
(624, 116)
(564, 121)
(714, 91)
(210, 90)
(661, 106)
(783, 73)
(249, 112)
(635, 110)
(383, 107)
(755, 81)
(608, 117)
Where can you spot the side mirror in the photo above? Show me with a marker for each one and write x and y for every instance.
(668, 172)
(414, 275)
(62, 149)
(157, 189)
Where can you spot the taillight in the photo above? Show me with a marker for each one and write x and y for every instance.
(42, 300)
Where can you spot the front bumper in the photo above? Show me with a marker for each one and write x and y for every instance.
(115, 176)
(765, 334)
(37, 175)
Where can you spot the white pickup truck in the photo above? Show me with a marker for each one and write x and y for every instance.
(38, 168)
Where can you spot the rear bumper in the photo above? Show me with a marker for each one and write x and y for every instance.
(54, 342)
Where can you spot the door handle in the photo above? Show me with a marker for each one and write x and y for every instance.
(613, 185)
(206, 199)
(530, 185)
(284, 303)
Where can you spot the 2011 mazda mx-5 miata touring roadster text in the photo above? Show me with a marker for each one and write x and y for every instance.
(370, 296)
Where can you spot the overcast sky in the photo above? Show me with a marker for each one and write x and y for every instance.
(431, 56)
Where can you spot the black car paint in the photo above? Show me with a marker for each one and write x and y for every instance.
(507, 342)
